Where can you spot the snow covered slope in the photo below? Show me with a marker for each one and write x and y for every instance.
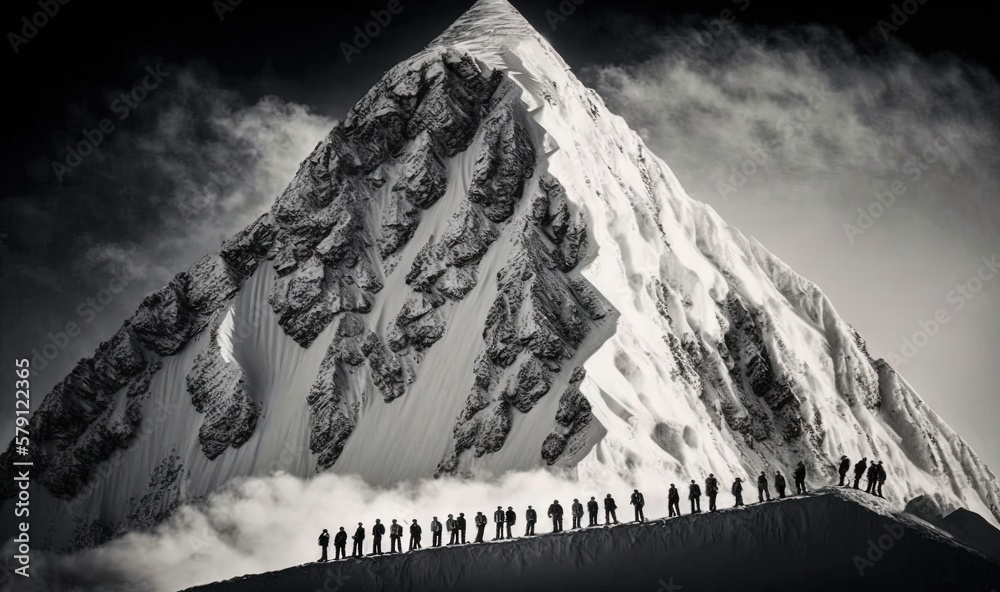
(480, 270)
(828, 540)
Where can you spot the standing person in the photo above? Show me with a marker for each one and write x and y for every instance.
(340, 544)
(414, 535)
(609, 510)
(509, 520)
(480, 526)
(592, 511)
(694, 494)
(800, 479)
(452, 530)
(845, 466)
(556, 514)
(859, 471)
(712, 490)
(763, 492)
(435, 532)
(577, 511)
(779, 484)
(377, 531)
(324, 542)
(638, 502)
(738, 492)
(460, 523)
(881, 478)
(872, 478)
(498, 517)
(359, 539)
(674, 501)
(530, 517)
(395, 537)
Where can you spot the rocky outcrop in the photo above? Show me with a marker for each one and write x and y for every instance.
(573, 417)
(218, 389)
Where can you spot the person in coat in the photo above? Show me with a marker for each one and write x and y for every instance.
(845, 466)
(763, 492)
(694, 494)
(480, 526)
(872, 478)
(452, 527)
(800, 479)
(498, 517)
(530, 517)
(359, 538)
(340, 544)
(712, 490)
(461, 525)
(638, 502)
(592, 509)
(377, 531)
(556, 514)
(881, 479)
(577, 511)
(779, 484)
(509, 520)
(415, 532)
(609, 510)
(738, 492)
(395, 537)
(859, 472)
(324, 543)
(435, 532)
(674, 501)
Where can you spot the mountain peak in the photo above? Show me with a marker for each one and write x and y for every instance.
(488, 27)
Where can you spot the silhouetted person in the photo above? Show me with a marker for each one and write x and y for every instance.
(694, 494)
(556, 514)
(674, 501)
(800, 479)
(592, 509)
(779, 484)
(452, 527)
(577, 511)
(340, 544)
(763, 491)
(415, 531)
(460, 523)
(872, 478)
(509, 520)
(638, 502)
(609, 510)
(498, 517)
(845, 466)
(738, 492)
(480, 526)
(881, 479)
(359, 538)
(859, 472)
(435, 532)
(324, 543)
(377, 531)
(395, 537)
(712, 490)
(530, 517)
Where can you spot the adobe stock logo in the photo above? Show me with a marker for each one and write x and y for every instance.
(31, 26)
(363, 35)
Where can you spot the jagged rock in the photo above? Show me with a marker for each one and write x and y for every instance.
(164, 494)
(494, 430)
(530, 384)
(424, 178)
(506, 159)
(245, 251)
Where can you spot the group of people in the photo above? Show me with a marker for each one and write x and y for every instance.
(505, 519)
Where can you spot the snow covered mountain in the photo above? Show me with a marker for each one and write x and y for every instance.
(480, 270)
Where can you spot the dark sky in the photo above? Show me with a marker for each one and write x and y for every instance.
(61, 238)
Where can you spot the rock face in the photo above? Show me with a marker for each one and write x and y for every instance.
(479, 270)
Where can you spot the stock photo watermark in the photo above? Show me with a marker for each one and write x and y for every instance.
(32, 24)
(914, 168)
(122, 107)
(898, 17)
(758, 155)
(363, 35)
(878, 548)
(958, 298)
